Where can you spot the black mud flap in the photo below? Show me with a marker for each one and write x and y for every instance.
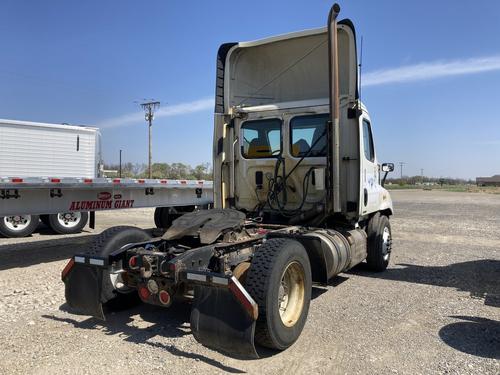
(83, 290)
(218, 321)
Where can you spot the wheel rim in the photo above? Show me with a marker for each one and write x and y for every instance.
(17, 222)
(386, 243)
(291, 294)
(69, 219)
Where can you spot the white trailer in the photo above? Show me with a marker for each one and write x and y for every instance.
(53, 172)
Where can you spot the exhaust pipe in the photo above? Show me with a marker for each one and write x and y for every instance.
(333, 164)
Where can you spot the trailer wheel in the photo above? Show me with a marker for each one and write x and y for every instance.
(279, 279)
(108, 241)
(18, 225)
(379, 242)
(67, 222)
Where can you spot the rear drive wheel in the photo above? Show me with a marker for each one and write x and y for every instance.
(68, 222)
(18, 225)
(379, 242)
(279, 279)
(113, 289)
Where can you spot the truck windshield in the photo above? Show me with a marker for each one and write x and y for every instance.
(261, 138)
(306, 132)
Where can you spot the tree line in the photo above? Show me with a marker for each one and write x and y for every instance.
(172, 171)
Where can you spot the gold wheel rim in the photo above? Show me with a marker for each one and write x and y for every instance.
(291, 294)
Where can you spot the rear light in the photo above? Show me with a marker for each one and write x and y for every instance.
(163, 181)
(116, 181)
(183, 182)
(87, 181)
(132, 262)
(164, 297)
(68, 268)
(140, 181)
(55, 180)
(17, 180)
(144, 293)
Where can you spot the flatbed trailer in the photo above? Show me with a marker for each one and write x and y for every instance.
(33, 196)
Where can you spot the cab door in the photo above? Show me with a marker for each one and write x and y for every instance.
(370, 185)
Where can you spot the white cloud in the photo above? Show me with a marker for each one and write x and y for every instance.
(430, 70)
(167, 111)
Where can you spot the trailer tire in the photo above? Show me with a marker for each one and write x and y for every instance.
(379, 242)
(280, 278)
(68, 222)
(108, 241)
(18, 225)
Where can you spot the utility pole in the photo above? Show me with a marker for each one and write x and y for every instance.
(120, 170)
(149, 110)
(422, 175)
(401, 163)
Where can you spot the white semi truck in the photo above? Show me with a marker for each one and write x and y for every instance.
(53, 172)
(298, 198)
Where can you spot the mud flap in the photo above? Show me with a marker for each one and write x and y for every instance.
(219, 321)
(83, 290)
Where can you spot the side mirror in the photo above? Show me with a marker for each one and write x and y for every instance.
(387, 167)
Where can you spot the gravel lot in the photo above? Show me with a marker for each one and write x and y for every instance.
(435, 310)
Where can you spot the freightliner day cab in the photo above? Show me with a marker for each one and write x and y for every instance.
(298, 198)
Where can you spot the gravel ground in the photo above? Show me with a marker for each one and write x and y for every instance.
(435, 310)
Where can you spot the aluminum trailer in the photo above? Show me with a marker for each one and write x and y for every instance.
(32, 196)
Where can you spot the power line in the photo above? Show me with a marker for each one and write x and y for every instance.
(149, 110)
(401, 163)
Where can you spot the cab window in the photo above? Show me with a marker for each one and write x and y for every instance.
(368, 141)
(308, 135)
(261, 138)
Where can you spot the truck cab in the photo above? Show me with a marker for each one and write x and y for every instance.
(270, 136)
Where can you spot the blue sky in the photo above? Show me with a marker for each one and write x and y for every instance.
(431, 68)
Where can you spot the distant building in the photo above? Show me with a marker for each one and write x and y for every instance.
(488, 181)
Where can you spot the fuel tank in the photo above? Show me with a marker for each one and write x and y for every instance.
(333, 252)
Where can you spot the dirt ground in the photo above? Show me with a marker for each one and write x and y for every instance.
(435, 310)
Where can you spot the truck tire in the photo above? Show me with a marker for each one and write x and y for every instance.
(18, 225)
(379, 242)
(67, 222)
(279, 280)
(108, 241)
(164, 216)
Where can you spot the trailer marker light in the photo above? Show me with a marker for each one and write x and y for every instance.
(244, 298)
(196, 277)
(144, 293)
(164, 297)
(17, 180)
(163, 181)
(96, 262)
(200, 182)
(140, 181)
(67, 268)
(79, 259)
(55, 180)
(87, 181)
(116, 181)
(183, 182)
